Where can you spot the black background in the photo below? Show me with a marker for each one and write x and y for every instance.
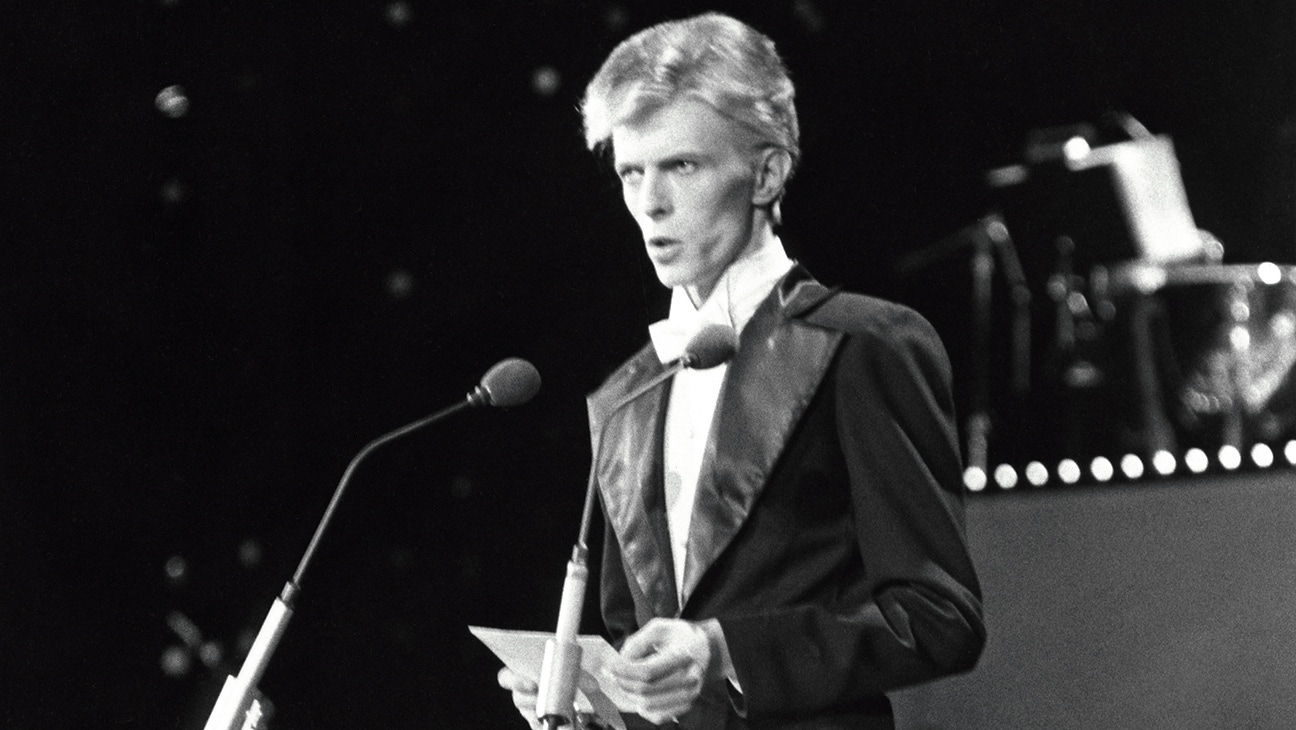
(367, 204)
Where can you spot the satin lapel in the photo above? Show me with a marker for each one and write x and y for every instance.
(779, 366)
(630, 478)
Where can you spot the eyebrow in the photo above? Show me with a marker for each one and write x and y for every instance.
(689, 154)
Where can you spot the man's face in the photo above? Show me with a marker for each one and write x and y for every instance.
(689, 184)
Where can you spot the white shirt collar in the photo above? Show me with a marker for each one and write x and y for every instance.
(733, 301)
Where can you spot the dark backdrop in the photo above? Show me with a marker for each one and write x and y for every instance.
(365, 204)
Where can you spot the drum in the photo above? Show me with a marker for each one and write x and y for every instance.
(1213, 350)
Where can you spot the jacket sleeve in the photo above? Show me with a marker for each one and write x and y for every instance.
(917, 614)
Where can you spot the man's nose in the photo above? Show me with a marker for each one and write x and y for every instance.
(654, 196)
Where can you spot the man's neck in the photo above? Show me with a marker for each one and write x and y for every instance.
(762, 238)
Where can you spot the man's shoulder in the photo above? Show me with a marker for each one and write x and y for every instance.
(879, 330)
(859, 315)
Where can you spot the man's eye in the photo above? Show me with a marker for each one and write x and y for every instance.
(685, 166)
(631, 176)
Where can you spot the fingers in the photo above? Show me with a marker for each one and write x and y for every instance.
(664, 649)
(665, 706)
(508, 679)
(659, 674)
(688, 680)
(524, 694)
(647, 640)
(666, 636)
(663, 669)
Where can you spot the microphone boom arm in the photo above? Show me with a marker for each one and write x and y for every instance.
(560, 667)
(516, 382)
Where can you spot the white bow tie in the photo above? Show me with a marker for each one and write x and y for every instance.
(671, 336)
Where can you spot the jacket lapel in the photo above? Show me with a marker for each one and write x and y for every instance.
(765, 393)
(629, 472)
(777, 371)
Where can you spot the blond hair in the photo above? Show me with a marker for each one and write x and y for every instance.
(714, 58)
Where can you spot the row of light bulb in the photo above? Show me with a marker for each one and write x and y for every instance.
(1131, 466)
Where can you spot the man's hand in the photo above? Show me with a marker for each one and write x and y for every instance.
(666, 664)
(524, 694)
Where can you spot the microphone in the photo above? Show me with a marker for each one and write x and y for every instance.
(510, 382)
(711, 346)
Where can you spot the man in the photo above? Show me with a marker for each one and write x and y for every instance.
(785, 536)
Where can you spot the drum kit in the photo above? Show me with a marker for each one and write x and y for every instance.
(1119, 344)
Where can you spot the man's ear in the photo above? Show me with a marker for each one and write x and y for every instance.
(772, 170)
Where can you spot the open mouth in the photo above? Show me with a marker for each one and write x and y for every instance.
(664, 250)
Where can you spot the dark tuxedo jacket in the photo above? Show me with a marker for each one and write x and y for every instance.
(827, 535)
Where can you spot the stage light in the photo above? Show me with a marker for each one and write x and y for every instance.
(211, 653)
(250, 553)
(1269, 273)
(173, 192)
(172, 101)
(177, 569)
(615, 17)
(808, 13)
(1229, 457)
(974, 478)
(546, 81)
(1101, 468)
(1005, 476)
(462, 486)
(1037, 474)
(1289, 451)
(1240, 338)
(1131, 466)
(1262, 456)
(1076, 148)
(1196, 460)
(1240, 310)
(175, 661)
(399, 14)
(1069, 471)
(400, 284)
(1163, 462)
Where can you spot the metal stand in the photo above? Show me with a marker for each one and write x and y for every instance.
(236, 697)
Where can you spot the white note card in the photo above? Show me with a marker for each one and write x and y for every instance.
(523, 652)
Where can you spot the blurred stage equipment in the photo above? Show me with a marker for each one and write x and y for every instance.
(1219, 349)
(510, 382)
(992, 248)
(1128, 341)
(711, 346)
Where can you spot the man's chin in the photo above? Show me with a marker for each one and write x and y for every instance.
(669, 277)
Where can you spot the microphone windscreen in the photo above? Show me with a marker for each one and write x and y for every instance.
(511, 382)
(713, 345)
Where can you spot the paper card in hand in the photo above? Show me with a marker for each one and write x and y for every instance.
(523, 653)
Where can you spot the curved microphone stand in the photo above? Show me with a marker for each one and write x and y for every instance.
(510, 382)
